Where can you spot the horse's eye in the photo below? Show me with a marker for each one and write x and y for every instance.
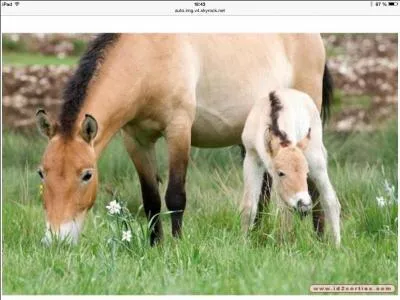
(40, 172)
(86, 175)
(281, 174)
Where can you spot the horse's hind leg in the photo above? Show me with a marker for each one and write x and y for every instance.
(178, 136)
(144, 160)
(317, 212)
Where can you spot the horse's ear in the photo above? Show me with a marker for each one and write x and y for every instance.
(46, 126)
(89, 128)
(305, 141)
(272, 142)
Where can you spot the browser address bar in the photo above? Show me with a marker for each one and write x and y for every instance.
(199, 8)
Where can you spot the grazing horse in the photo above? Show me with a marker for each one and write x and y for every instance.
(283, 136)
(191, 89)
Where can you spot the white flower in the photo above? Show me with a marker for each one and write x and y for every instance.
(389, 188)
(114, 207)
(381, 201)
(126, 235)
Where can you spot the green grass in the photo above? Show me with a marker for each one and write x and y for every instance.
(213, 257)
(22, 59)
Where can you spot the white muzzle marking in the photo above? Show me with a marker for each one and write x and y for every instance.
(304, 197)
(68, 231)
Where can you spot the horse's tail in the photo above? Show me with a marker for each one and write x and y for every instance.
(327, 94)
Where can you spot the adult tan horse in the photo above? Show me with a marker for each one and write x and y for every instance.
(192, 89)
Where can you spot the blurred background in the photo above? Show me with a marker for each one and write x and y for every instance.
(364, 68)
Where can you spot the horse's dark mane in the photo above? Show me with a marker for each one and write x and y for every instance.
(76, 88)
(276, 107)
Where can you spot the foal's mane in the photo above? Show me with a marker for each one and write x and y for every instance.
(276, 107)
(76, 89)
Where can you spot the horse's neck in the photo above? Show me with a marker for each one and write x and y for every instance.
(112, 102)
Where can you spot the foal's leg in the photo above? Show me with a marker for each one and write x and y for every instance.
(144, 159)
(266, 187)
(253, 170)
(330, 204)
(178, 135)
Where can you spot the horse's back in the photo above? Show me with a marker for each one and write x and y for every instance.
(218, 77)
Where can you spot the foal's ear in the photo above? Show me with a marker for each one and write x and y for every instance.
(46, 126)
(305, 141)
(89, 128)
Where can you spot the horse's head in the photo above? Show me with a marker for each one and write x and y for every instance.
(289, 171)
(69, 177)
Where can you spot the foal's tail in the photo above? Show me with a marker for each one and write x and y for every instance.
(327, 94)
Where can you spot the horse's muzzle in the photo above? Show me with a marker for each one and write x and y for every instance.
(67, 232)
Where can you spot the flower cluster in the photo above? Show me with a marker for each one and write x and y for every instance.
(114, 208)
(126, 232)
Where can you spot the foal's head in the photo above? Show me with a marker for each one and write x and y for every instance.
(289, 171)
(69, 177)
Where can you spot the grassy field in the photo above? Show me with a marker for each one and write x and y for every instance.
(24, 59)
(213, 257)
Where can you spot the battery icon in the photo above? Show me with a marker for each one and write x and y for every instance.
(393, 3)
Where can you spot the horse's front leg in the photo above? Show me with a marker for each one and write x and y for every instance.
(329, 201)
(178, 136)
(266, 188)
(253, 170)
(144, 159)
